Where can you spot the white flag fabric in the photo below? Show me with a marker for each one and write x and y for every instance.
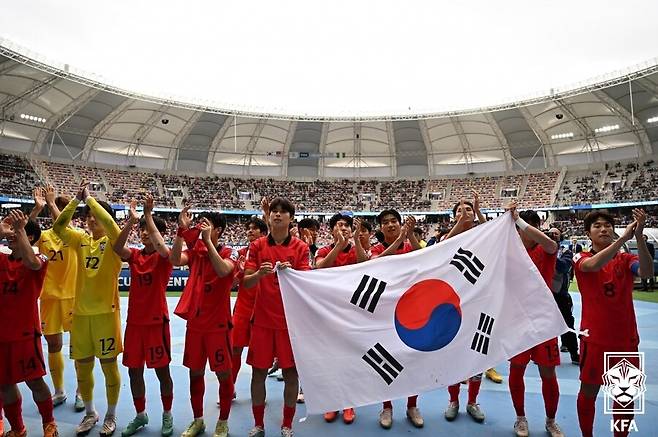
(405, 324)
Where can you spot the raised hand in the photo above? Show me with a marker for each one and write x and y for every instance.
(206, 229)
(39, 196)
(132, 212)
(629, 231)
(148, 204)
(356, 224)
(18, 219)
(265, 205)
(511, 206)
(266, 268)
(5, 226)
(640, 218)
(341, 241)
(184, 218)
(307, 237)
(51, 194)
(83, 191)
(476, 200)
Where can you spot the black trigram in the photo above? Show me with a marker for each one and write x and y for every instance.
(467, 263)
(368, 292)
(383, 362)
(480, 341)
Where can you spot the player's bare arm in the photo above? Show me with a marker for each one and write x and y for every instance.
(51, 195)
(154, 235)
(39, 196)
(340, 244)
(462, 218)
(177, 257)
(476, 207)
(120, 246)
(549, 245)
(393, 248)
(223, 267)
(602, 257)
(646, 261)
(410, 223)
(361, 254)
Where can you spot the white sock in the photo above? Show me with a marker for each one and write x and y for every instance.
(89, 407)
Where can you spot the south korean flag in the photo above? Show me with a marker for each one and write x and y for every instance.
(405, 324)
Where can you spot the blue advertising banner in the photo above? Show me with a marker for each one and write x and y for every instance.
(177, 280)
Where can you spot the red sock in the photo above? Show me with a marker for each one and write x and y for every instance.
(259, 415)
(551, 392)
(517, 389)
(586, 410)
(622, 416)
(225, 398)
(453, 390)
(411, 401)
(46, 410)
(236, 362)
(197, 389)
(14, 413)
(474, 389)
(388, 404)
(167, 400)
(140, 404)
(288, 415)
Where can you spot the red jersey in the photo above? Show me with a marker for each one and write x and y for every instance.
(149, 275)
(379, 248)
(268, 309)
(244, 305)
(21, 287)
(212, 294)
(544, 261)
(607, 295)
(346, 256)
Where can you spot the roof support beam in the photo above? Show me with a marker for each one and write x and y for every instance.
(103, 126)
(63, 116)
(219, 136)
(27, 96)
(425, 134)
(172, 156)
(507, 153)
(322, 149)
(391, 148)
(286, 147)
(631, 122)
(466, 146)
(251, 145)
(545, 143)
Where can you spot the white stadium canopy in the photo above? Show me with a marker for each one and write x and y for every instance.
(448, 89)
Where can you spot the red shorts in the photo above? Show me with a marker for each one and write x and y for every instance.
(592, 360)
(213, 347)
(266, 344)
(241, 331)
(21, 361)
(147, 344)
(544, 354)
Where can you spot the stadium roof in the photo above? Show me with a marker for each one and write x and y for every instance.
(51, 110)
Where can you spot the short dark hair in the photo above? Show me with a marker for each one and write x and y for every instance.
(531, 217)
(86, 211)
(160, 224)
(333, 221)
(260, 224)
(386, 212)
(593, 216)
(419, 231)
(33, 231)
(216, 219)
(308, 223)
(366, 225)
(284, 204)
(62, 201)
(466, 202)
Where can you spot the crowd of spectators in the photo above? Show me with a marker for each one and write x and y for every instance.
(16, 176)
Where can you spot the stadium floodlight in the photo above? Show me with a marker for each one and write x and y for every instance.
(653, 120)
(608, 128)
(33, 118)
(562, 136)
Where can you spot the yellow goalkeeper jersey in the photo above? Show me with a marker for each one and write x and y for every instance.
(96, 285)
(62, 267)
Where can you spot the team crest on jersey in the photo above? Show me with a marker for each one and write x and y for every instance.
(234, 255)
(102, 246)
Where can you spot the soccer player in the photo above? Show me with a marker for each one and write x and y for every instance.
(543, 252)
(21, 359)
(244, 305)
(308, 232)
(269, 332)
(395, 242)
(96, 327)
(340, 253)
(147, 339)
(363, 231)
(206, 305)
(58, 293)
(605, 281)
(464, 213)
